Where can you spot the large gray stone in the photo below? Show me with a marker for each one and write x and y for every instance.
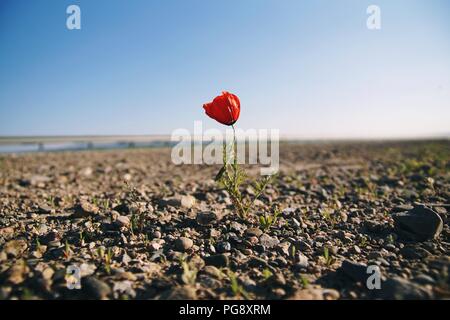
(419, 224)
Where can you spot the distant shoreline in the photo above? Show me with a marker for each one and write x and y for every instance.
(33, 144)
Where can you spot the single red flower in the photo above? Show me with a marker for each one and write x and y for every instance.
(224, 108)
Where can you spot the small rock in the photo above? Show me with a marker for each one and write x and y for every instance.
(212, 271)
(84, 209)
(330, 294)
(37, 180)
(206, 218)
(355, 271)
(424, 279)
(157, 234)
(44, 208)
(124, 288)
(276, 280)
(236, 226)
(7, 233)
(187, 201)
(42, 229)
(253, 232)
(86, 171)
(179, 293)
(17, 273)
(303, 246)
(410, 252)
(122, 221)
(48, 273)
(257, 262)
(155, 246)
(268, 241)
(401, 289)
(3, 256)
(123, 208)
(356, 249)
(283, 248)
(315, 294)
(126, 259)
(302, 261)
(182, 244)
(279, 292)
(223, 247)
(95, 288)
(402, 208)
(15, 248)
(87, 269)
(383, 262)
(218, 260)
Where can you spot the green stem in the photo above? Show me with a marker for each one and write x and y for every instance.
(235, 157)
(257, 195)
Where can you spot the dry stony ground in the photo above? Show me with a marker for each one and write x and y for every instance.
(139, 227)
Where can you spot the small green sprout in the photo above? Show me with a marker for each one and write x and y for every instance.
(304, 280)
(267, 274)
(189, 275)
(67, 252)
(236, 288)
(328, 258)
(267, 220)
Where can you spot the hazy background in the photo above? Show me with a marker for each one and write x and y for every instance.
(309, 68)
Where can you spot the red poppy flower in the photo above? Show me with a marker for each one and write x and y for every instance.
(224, 108)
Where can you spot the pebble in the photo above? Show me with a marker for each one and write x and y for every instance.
(17, 273)
(315, 294)
(122, 221)
(410, 252)
(302, 261)
(15, 248)
(7, 233)
(212, 271)
(424, 279)
(223, 247)
(356, 249)
(44, 208)
(257, 262)
(355, 271)
(218, 260)
(206, 218)
(182, 244)
(180, 293)
(95, 288)
(253, 232)
(399, 289)
(283, 248)
(187, 201)
(84, 209)
(268, 241)
(156, 234)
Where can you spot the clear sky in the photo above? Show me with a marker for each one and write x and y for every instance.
(309, 68)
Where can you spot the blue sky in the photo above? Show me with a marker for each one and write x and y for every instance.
(309, 68)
